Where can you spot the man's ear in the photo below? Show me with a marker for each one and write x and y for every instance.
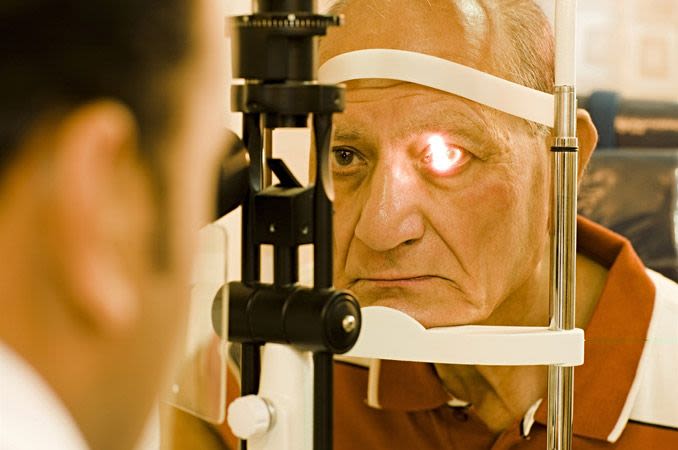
(588, 139)
(91, 153)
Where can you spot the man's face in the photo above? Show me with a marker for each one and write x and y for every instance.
(441, 204)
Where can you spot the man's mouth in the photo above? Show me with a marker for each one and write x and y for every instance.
(397, 281)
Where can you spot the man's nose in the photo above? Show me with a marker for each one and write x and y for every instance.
(391, 214)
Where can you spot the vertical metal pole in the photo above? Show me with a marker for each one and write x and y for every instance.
(322, 197)
(322, 400)
(268, 154)
(322, 279)
(250, 357)
(564, 168)
(251, 259)
(285, 266)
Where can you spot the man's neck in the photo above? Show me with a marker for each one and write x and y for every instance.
(501, 395)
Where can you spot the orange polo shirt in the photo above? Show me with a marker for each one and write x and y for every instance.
(414, 411)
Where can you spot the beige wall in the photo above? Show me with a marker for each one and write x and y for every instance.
(630, 46)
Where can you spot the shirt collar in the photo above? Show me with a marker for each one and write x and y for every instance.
(614, 342)
(32, 416)
(615, 336)
(406, 386)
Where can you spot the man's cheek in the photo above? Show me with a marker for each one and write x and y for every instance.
(344, 226)
(485, 203)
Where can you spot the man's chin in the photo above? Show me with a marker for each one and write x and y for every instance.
(446, 308)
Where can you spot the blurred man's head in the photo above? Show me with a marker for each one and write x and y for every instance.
(448, 241)
(110, 126)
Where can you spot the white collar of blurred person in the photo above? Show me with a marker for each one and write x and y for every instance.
(32, 416)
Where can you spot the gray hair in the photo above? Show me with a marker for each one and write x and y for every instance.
(526, 53)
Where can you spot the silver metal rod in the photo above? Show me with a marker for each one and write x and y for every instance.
(564, 240)
(560, 410)
(562, 295)
(565, 118)
(268, 154)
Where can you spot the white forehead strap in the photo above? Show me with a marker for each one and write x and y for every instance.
(441, 74)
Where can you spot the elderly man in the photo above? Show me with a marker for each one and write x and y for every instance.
(110, 122)
(467, 242)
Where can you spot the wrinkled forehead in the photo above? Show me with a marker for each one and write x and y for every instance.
(379, 110)
(420, 104)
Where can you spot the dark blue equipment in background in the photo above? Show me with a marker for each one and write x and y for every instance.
(631, 184)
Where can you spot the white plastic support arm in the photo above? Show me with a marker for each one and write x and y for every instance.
(390, 334)
(441, 74)
(287, 374)
(287, 387)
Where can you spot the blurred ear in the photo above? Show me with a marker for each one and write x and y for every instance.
(95, 219)
(588, 139)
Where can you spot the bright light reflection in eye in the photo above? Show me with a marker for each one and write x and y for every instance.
(440, 156)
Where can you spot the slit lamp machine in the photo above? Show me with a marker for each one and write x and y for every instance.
(289, 333)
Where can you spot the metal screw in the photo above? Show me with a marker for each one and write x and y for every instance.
(304, 231)
(271, 228)
(349, 323)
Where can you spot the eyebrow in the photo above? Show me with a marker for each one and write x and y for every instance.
(471, 127)
(349, 134)
(453, 122)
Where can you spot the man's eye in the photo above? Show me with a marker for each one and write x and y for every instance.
(344, 156)
(442, 158)
(345, 160)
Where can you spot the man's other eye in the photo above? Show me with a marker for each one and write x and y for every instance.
(442, 158)
(346, 160)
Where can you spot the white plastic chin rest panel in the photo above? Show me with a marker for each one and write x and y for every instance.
(390, 334)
